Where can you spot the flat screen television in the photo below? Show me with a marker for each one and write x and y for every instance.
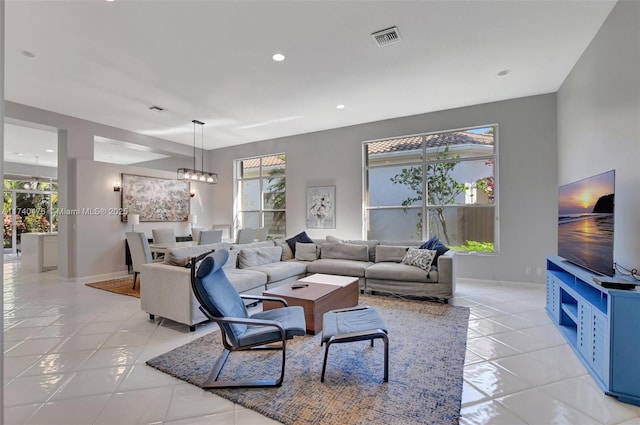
(585, 223)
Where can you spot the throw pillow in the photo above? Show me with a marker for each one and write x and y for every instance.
(300, 237)
(333, 239)
(421, 258)
(427, 244)
(198, 259)
(251, 257)
(306, 251)
(435, 244)
(287, 254)
(232, 262)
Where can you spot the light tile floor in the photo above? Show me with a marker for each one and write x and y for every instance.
(76, 355)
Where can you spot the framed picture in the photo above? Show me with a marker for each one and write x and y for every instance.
(321, 207)
(155, 199)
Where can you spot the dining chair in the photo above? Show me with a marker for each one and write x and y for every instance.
(140, 252)
(163, 235)
(252, 235)
(221, 303)
(210, 236)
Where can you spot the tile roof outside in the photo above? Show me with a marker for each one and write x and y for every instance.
(433, 141)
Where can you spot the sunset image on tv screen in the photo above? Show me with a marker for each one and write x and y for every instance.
(585, 222)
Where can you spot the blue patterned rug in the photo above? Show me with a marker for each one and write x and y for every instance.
(426, 359)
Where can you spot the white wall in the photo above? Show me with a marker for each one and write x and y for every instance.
(100, 238)
(527, 178)
(75, 140)
(599, 121)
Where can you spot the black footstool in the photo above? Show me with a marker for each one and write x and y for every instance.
(354, 324)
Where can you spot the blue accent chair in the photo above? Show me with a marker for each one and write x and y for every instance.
(221, 303)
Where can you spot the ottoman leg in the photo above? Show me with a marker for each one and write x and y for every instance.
(324, 363)
(385, 338)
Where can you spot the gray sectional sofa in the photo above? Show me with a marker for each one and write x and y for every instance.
(165, 288)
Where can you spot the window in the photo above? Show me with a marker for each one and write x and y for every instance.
(440, 184)
(260, 194)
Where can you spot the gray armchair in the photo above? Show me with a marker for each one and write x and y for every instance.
(221, 303)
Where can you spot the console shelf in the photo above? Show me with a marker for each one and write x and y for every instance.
(601, 325)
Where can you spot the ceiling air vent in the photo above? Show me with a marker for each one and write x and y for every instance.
(386, 36)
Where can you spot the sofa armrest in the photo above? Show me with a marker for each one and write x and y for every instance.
(447, 270)
(166, 291)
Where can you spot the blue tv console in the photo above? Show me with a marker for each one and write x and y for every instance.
(601, 325)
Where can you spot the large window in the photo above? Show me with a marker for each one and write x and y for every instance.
(260, 193)
(440, 184)
(29, 206)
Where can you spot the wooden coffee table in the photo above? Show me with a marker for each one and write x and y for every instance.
(325, 292)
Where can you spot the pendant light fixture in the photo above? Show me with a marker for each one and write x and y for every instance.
(193, 174)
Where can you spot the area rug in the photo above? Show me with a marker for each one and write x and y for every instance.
(121, 286)
(427, 348)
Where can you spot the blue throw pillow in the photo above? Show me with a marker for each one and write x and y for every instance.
(301, 237)
(435, 244)
(427, 244)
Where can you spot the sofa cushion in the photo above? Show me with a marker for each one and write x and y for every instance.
(387, 253)
(420, 258)
(300, 237)
(344, 251)
(287, 253)
(281, 270)
(306, 251)
(181, 256)
(232, 262)
(338, 267)
(249, 257)
(400, 272)
(333, 239)
(370, 244)
(246, 279)
(260, 244)
(198, 259)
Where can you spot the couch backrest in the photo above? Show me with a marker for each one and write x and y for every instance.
(180, 256)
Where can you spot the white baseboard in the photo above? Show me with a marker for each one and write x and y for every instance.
(486, 282)
(101, 277)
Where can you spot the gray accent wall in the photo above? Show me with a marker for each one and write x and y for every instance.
(527, 178)
(599, 121)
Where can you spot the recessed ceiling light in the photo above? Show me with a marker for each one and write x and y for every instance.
(19, 153)
(49, 150)
(278, 57)
(28, 54)
(504, 72)
(340, 106)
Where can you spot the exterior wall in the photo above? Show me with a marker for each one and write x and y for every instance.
(599, 121)
(527, 178)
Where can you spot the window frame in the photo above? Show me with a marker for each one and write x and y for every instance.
(260, 178)
(424, 207)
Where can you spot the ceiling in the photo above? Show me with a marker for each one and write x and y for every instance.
(109, 62)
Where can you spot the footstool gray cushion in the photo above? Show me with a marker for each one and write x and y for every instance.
(354, 324)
